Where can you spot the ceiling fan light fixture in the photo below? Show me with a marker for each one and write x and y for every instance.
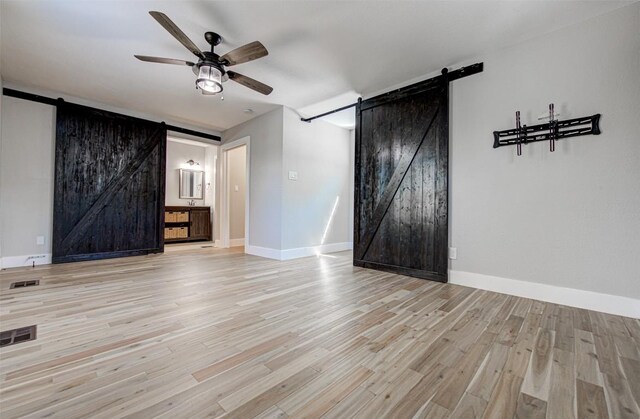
(211, 67)
(209, 80)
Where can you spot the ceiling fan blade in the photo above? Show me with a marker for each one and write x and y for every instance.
(245, 53)
(174, 30)
(250, 83)
(163, 60)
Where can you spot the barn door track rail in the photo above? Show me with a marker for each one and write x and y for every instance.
(450, 76)
(550, 131)
(55, 102)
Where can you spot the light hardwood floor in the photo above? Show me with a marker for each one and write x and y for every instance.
(213, 333)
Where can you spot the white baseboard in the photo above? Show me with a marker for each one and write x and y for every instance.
(217, 243)
(236, 242)
(299, 252)
(302, 252)
(264, 252)
(607, 303)
(24, 260)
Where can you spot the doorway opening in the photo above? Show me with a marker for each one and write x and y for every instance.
(234, 202)
(189, 193)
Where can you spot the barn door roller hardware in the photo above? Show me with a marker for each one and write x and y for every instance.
(551, 131)
(55, 102)
(328, 113)
(449, 75)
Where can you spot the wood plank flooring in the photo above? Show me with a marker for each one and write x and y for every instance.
(211, 333)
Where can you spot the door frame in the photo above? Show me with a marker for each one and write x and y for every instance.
(211, 158)
(225, 189)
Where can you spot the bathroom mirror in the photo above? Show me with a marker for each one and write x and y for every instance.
(191, 184)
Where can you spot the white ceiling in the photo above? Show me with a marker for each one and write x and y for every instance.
(322, 54)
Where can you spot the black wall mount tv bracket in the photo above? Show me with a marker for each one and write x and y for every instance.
(550, 131)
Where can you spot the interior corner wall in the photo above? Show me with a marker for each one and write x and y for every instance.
(265, 189)
(289, 218)
(177, 155)
(570, 218)
(316, 208)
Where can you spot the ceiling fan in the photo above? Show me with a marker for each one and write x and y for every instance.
(210, 67)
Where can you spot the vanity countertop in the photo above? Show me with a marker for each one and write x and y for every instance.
(184, 207)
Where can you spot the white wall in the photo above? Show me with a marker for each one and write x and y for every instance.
(1, 99)
(265, 132)
(316, 207)
(237, 165)
(287, 218)
(569, 218)
(26, 180)
(177, 155)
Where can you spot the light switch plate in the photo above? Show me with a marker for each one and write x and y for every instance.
(453, 253)
(40, 240)
(236, 188)
(293, 175)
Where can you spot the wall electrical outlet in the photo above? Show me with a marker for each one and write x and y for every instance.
(293, 175)
(40, 240)
(236, 188)
(453, 253)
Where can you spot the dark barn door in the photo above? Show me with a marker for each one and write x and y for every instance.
(401, 191)
(109, 185)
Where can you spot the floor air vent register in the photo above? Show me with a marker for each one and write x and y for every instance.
(22, 284)
(22, 334)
